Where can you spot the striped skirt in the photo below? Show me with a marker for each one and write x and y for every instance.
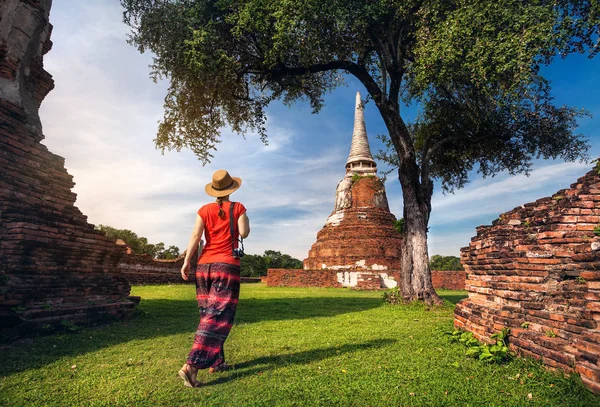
(217, 292)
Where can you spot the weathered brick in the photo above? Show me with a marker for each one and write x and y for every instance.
(50, 254)
(558, 249)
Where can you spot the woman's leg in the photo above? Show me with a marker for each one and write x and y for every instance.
(217, 292)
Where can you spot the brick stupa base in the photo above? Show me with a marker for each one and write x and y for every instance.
(359, 245)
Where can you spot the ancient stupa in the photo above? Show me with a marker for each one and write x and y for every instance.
(359, 240)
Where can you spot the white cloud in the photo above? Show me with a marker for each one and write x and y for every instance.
(503, 193)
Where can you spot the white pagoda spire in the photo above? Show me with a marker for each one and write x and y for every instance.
(360, 159)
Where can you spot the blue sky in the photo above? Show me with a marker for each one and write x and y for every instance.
(103, 114)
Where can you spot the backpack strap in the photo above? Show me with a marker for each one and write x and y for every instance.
(231, 228)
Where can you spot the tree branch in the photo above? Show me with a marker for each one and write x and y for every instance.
(358, 71)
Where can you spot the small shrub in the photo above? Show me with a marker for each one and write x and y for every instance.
(393, 296)
(525, 325)
(497, 352)
(399, 225)
(69, 326)
(19, 309)
(47, 328)
(551, 334)
(580, 280)
(597, 230)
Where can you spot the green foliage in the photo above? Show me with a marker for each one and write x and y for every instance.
(474, 67)
(597, 230)
(525, 325)
(438, 262)
(550, 333)
(69, 326)
(172, 252)
(399, 225)
(580, 280)
(357, 176)
(139, 244)
(393, 296)
(19, 309)
(256, 265)
(252, 265)
(497, 352)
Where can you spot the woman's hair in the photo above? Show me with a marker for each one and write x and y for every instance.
(221, 211)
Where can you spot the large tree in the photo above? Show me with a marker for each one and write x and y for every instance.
(473, 67)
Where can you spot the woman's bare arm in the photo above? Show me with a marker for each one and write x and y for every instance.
(192, 246)
(244, 225)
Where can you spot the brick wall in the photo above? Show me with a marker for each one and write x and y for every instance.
(536, 271)
(452, 280)
(143, 269)
(449, 280)
(54, 267)
(301, 278)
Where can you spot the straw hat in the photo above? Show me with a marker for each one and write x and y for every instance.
(222, 184)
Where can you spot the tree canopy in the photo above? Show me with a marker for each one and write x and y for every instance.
(139, 244)
(472, 65)
(257, 265)
(439, 262)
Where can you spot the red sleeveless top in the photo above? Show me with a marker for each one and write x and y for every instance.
(217, 248)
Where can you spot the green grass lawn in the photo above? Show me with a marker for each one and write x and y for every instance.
(290, 347)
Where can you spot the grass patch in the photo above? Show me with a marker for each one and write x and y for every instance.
(290, 347)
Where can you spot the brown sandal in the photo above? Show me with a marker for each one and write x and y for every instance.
(187, 378)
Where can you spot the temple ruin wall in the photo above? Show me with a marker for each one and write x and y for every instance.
(364, 280)
(55, 269)
(536, 270)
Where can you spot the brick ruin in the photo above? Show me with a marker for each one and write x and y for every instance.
(358, 246)
(55, 269)
(448, 280)
(536, 270)
(143, 269)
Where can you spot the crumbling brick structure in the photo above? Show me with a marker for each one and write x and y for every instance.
(143, 269)
(54, 267)
(536, 270)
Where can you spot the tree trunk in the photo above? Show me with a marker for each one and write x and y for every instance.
(415, 282)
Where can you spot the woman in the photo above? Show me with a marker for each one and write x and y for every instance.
(217, 275)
